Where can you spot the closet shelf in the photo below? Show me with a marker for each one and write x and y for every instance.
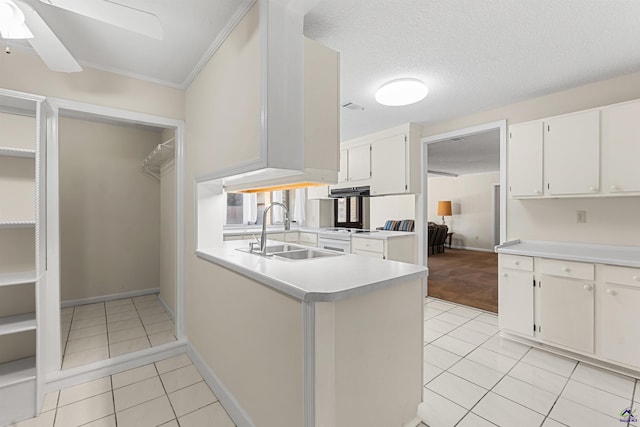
(158, 157)
(9, 279)
(20, 323)
(17, 371)
(17, 224)
(17, 152)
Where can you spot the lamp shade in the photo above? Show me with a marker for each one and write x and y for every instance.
(444, 208)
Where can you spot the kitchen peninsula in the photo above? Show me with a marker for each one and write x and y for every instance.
(330, 341)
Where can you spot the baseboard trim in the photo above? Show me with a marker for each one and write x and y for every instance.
(422, 412)
(469, 248)
(110, 297)
(229, 402)
(82, 374)
(413, 423)
(166, 308)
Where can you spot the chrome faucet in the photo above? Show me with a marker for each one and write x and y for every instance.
(263, 235)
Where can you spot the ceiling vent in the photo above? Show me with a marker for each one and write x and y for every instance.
(353, 106)
(457, 139)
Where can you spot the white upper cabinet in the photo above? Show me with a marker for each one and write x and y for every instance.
(572, 153)
(621, 147)
(359, 163)
(389, 165)
(343, 173)
(525, 159)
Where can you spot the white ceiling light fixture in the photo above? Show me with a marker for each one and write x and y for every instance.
(401, 92)
(12, 24)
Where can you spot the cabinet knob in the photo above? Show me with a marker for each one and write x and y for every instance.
(566, 269)
(504, 275)
(611, 292)
(587, 287)
(516, 262)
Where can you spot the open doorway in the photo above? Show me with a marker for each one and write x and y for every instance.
(463, 206)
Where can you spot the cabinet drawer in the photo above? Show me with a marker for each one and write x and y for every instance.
(291, 236)
(379, 255)
(368, 245)
(309, 238)
(572, 269)
(516, 262)
(622, 275)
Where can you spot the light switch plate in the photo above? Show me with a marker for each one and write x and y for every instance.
(581, 217)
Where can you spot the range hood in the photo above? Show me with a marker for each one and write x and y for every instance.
(337, 193)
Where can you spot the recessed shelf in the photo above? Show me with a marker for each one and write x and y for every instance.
(15, 324)
(17, 371)
(17, 152)
(21, 278)
(17, 224)
(158, 157)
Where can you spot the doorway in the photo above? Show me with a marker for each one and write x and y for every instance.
(466, 169)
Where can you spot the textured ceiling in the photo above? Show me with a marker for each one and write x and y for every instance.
(469, 154)
(190, 26)
(473, 54)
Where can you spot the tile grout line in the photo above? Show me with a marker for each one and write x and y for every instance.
(113, 398)
(167, 394)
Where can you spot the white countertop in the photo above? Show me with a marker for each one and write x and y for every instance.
(384, 235)
(319, 279)
(602, 254)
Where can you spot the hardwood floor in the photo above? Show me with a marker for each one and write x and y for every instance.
(465, 277)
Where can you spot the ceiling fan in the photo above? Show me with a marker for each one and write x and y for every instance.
(19, 20)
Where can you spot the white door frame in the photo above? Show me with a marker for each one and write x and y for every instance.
(501, 126)
(51, 337)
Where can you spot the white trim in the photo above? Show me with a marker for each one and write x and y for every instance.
(501, 126)
(470, 248)
(495, 234)
(21, 95)
(228, 400)
(103, 368)
(110, 297)
(423, 411)
(180, 166)
(166, 309)
(218, 41)
(309, 364)
(413, 423)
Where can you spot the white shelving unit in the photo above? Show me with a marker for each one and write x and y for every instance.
(163, 153)
(19, 136)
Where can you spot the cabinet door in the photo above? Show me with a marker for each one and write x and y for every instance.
(620, 341)
(525, 159)
(359, 162)
(621, 147)
(318, 192)
(379, 255)
(515, 301)
(567, 312)
(389, 165)
(343, 173)
(572, 154)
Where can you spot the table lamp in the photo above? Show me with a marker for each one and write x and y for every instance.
(444, 209)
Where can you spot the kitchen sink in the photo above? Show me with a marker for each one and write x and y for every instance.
(292, 252)
(305, 254)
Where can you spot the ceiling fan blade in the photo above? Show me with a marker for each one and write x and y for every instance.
(122, 16)
(46, 44)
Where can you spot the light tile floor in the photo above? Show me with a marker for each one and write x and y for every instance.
(99, 331)
(166, 393)
(474, 377)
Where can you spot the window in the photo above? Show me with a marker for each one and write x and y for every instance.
(248, 208)
(348, 212)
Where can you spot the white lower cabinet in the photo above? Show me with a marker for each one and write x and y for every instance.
(515, 294)
(567, 309)
(394, 248)
(620, 302)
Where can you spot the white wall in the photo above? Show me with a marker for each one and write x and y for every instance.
(319, 213)
(25, 72)
(472, 205)
(397, 207)
(109, 210)
(609, 221)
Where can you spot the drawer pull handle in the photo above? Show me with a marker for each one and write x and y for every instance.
(566, 269)
(516, 262)
(611, 292)
(505, 275)
(587, 287)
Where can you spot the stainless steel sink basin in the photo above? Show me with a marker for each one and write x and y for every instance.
(305, 254)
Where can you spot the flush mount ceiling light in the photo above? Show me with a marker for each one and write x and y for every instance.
(401, 92)
(12, 24)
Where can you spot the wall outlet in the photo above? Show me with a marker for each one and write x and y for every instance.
(581, 217)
